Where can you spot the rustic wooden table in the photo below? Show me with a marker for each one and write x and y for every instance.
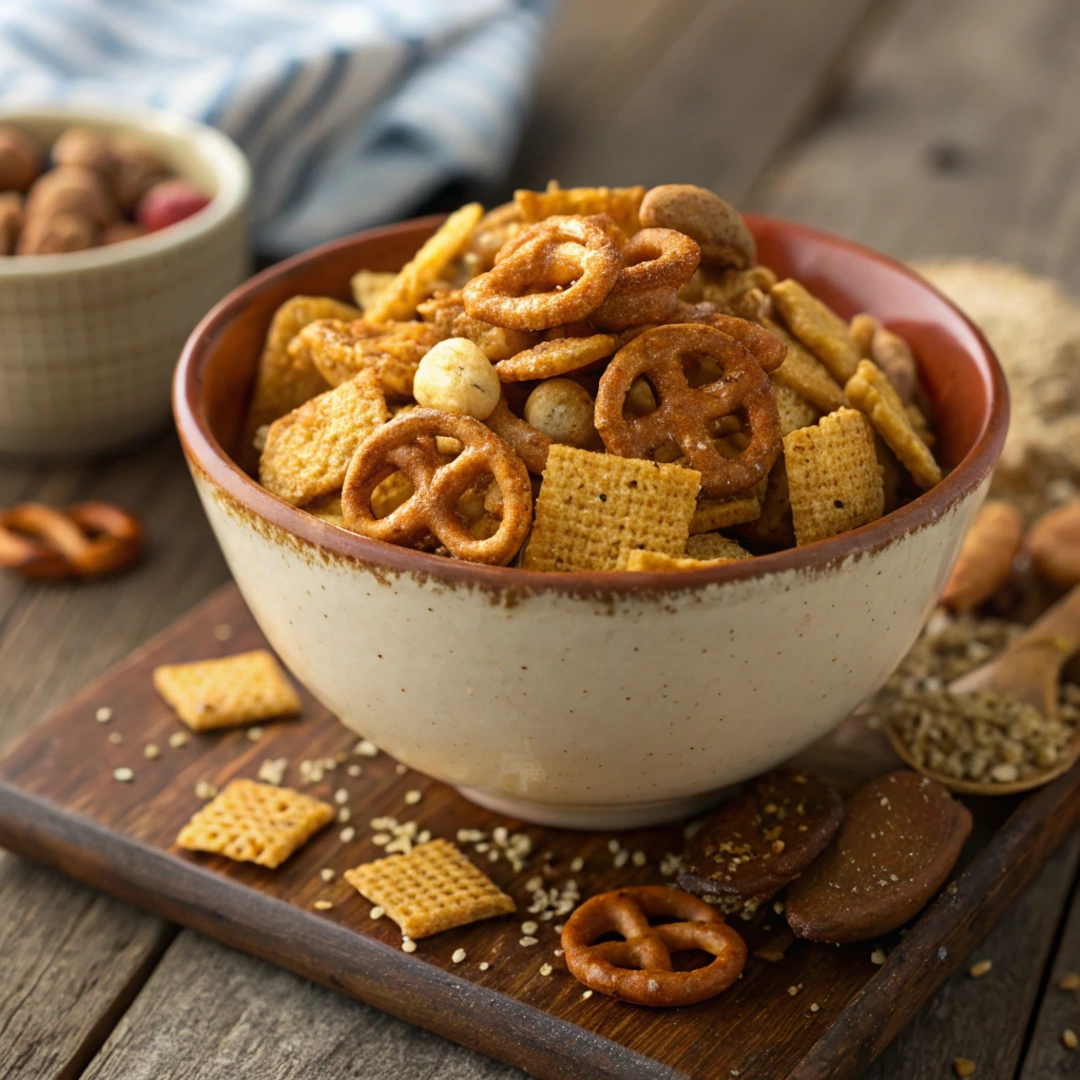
(920, 127)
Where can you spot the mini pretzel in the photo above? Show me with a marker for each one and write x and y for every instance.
(658, 262)
(527, 442)
(683, 416)
(557, 271)
(639, 969)
(87, 540)
(407, 444)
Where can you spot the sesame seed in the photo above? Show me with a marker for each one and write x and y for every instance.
(638, 858)
(978, 970)
(459, 955)
(877, 957)
(103, 715)
(527, 940)
(322, 905)
(529, 927)
(365, 748)
(354, 770)
(151, 751)
(341, 796)
(115, 738)
(577, 865)
(255, 733)
(223, 631)
(1069, 1040)
(123, 774)
(347, 834)
(408, 945)
(412, 798)
(484, 965)
(378, 911)
(546, 969)
(177, 739)
(587, 994)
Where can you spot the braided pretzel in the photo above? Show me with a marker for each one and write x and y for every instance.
(658, 262)
(554, 272)
(638, 969)
(684, 414)
(407, 444)
(87, 540)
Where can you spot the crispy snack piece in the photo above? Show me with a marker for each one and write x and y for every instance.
(530, 444)
(872, 393)
(774, 525)
(716, 225)
(748, 850)
(654, 560)
(639, 967)
(328, 509)
(221, 693)
(283, 382)
(553, 273)
(258, 823)
(308, 450)
(407, 444)
(433, 888)
(834, 478)
(804, 373)
(714, 545)
(713, 514)
(795, 411)
(500, 224)
(725, 287)
(818, 327)
(340, 350)
(446, 312)
(620, 204)
(368, 285)
(681, 423)
(549, 359)
(594, 509)
(417, 278)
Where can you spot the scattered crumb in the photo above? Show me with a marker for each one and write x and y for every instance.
(529, 927)
(123, 774)
(778, 907)
(814, 1006)
(223, 631)
(558, 952)
(459, 955)
(205, 790)
(115, 738)
(878, 957)
(378, 911)
(526, 941)
(327, 874)
(365, 748)
(354, 770)
(151, 751)
(547, 969)
(322, 905)
(1068, 1039)
(255, 733)
(484, 965)
(587, 994)
(347, 835)
(793, 990)
(272, 770)
(408, 945)
(341, 796)
(577, 865)
(534, 883)
(412, 798)
(178, 739)
(622, 857)
(978, 970)
(963, 1067)
(400, 769)
(613, 846)
(103, 715)
(343, 814)
(1069, 981)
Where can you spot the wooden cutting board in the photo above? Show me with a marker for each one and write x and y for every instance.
(60, 805)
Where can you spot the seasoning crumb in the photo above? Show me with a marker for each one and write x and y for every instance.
(639, 858)
(547, 969)
(322, 905)
(327, 874)
(272, 770)
(814, 1006)
(529, 927)
(354, 770)
(534, 883)
(778, 907)
(255, 733)
(412, 798)
(587, 994)
(458, 956)
(205, 790)
(103, 715)
(151, 751)
(793, 990)
(341, 796)
(559, 952)
(400, 769)
(223, 631)
(963, 1067)
(408, 945)
(577, 865)
(378, 911)
(177, 739)
(115, 738)
(343, 814)
(347, 834)
(1069, 981)
(527, 940)
(123, 774)
(484, 965)
(978, 970)
(1068, 1039)
(366, 748)
(877, 957)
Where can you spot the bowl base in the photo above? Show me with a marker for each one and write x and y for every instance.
(593, 818)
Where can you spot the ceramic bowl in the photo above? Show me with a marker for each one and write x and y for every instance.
(593, 700)
(89, 339)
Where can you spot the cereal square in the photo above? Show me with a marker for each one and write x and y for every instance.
(871, 393)
(259, 823)
(818, 327)
(308, 451)
(235, 690)
(834, 479)
(795, 411)
(621, 204)
(433, 888)
(804, 373)
(712, 514)
(714, 545)
(594, 509)
(656, 560)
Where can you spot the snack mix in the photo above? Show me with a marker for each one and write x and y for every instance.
(588, 379)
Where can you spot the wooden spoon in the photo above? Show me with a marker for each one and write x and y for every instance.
(1028, 670)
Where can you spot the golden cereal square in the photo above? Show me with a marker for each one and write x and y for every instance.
(713, 514)
(221, 693)
(834, 479)
(433, 888)
(308, 451)
(870, 391)
(795, 411)
(714, 545)
(594, 509)
(259, 823)
(655, 560)
(818, 327)
(805, 374)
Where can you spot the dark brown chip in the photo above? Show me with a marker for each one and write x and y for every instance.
(753, 846)
(901, 836)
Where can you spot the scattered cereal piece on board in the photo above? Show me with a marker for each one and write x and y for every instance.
(308, 450)
(713, 545)
(258, 823)
(834, 479)
(594, 509)
(368, 285)
(235, 690)
(654, 560)
(398, 300)
(433, 888)
(871, 393)
(818, 327)
(621, 204)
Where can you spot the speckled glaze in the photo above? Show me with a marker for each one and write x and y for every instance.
(602, 700)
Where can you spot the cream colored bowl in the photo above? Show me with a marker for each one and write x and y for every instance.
(601, 700)
(89, 339)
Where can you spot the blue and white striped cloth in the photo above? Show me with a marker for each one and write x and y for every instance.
(350, 111)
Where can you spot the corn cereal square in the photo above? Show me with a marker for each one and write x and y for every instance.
(834, 479)
(308, 451)
(433, 888)
(714, 545)
(804, 373)
(259, 823)
(655, 560)
(818, 327)
(235, 690)
(795, 411)
(594, 509)
(712, 514)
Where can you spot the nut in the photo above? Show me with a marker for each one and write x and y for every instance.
(1054, 544)
(138, 169)
(88, 148)
(563, 411)
(986, 557)
(457, 377)
(20, 160)
(58, 233)
(71, 189)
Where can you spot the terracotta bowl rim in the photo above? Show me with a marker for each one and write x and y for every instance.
(205, 455)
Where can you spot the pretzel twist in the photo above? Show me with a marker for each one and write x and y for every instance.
(407, 444)
(683, 417)
(87, 540)
(639, 968)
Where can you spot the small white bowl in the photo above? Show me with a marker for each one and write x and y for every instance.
(89, 339)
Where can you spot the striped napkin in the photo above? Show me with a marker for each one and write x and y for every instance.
(351, 111)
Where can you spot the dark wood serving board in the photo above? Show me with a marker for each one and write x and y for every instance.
(60, 805)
